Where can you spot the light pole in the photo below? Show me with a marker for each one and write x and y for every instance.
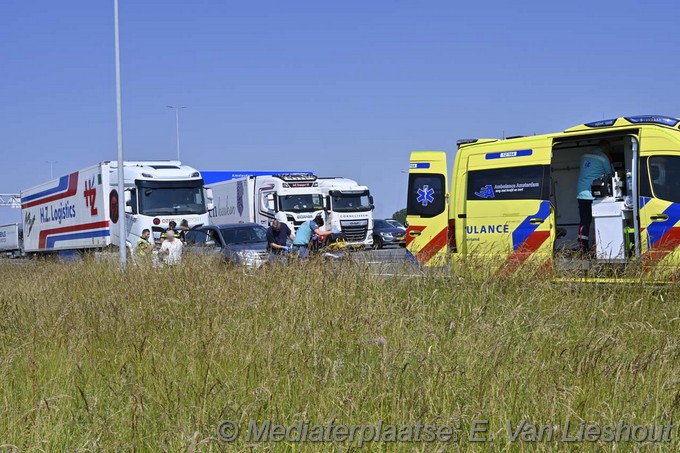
(177, 109)
(122, 239)
(51, 163)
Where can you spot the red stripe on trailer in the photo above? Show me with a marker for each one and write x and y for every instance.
(72, 189)
(86, 226)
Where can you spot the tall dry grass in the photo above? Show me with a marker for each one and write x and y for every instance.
(91, 360)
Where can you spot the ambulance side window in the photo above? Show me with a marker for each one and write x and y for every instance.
(645, 186)
(664, 172)
(426, 195)
(511, 183)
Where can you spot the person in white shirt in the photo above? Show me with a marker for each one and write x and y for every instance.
(171, 249)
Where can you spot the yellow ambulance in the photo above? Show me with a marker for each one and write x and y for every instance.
(513, 202)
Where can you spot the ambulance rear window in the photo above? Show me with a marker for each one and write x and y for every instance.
(514, 183)
(426, 194)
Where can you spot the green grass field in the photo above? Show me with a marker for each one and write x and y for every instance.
(91, 361)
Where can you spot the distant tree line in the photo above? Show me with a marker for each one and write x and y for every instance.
(400, 216)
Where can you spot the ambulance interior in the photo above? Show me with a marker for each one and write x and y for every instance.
(565, 169)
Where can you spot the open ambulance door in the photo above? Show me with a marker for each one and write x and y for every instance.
(427, 210)
(508, 216)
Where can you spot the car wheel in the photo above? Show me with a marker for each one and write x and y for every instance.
(377, 243)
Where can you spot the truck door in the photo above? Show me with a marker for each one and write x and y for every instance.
(660, 214)
(508, 216)
(427, 211)
(266, 195)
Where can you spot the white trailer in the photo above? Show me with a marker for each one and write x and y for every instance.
(11, 240)
(350, 209)
(292, 198)
(80, 210)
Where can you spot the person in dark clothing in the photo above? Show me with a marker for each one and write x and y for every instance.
(277, 236)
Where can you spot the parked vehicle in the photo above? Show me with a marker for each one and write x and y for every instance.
(385, 234)
(350, 210)
(396, 224)
(513, 201)
(79, 211)
(242, 243)
(257, 199)
(11, 240)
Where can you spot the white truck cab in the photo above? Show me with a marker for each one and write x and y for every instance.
(350, 209)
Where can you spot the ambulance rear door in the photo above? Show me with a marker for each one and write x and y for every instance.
(427, 210)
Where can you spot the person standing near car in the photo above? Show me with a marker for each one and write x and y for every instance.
(173, 228)
(183, 228)
(171, 249)
(304, 235)
(144, 246)
(277, 238)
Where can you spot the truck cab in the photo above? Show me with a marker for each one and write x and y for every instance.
(295, 197)
(350, 209)
(158, 192)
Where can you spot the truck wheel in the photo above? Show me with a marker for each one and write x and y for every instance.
(377, 243)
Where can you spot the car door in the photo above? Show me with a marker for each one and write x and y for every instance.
(204, 241)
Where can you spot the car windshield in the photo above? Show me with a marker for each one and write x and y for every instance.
(168, 201)
(395, 224)
(345, 202)
(300, 202)
(244, 235)
(381, 224)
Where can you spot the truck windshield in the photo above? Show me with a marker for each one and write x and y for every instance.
(350, 202)
(171, 200)
(300, 203)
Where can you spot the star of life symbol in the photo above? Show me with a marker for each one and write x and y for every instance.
(425, 195)
(485, 192)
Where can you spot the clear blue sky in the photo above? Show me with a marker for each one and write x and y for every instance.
(341, 88)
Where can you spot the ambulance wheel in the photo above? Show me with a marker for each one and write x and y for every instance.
(377, 243)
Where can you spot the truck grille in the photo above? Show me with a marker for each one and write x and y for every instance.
(354, 233)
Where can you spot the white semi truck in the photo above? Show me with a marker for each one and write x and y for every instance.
(296, 198)
(350, 209)
(80, 210)
(11, 240)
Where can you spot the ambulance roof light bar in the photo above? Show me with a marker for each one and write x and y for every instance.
(656, 119)
(649, 119)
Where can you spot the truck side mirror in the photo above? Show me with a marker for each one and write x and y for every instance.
(370, 201)
(128, 201)
(327, 203)
(209, 200)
